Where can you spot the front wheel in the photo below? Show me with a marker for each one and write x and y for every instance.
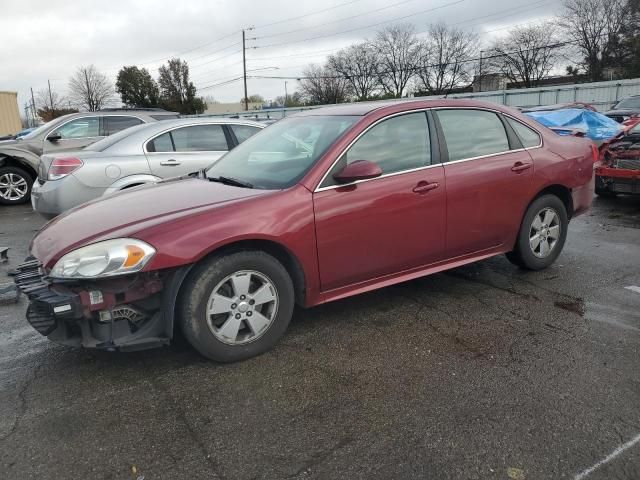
(236, 306)
(15, 185)
(542, 234)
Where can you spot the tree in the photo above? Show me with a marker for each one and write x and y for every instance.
(50, 105)
(177, 92)
(444, 59)
(358, 64)
(137, 88)
(253, 99)
(398, 52)
(90, 89)
(593, 26)
(321, 85)
(527, 54)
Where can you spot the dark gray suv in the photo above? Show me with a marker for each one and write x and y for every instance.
(19, 158)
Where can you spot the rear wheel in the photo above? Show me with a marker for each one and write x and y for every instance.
(236, 306)
(15, 185)
(542, 234)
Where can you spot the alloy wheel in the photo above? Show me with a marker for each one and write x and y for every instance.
(544, 232)
(13, 187)
(242, 307)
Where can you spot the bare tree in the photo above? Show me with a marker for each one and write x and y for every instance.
(398, 51)
(359, 65)
(593, 26)
(48, 99)
(445, 59)
(322, 85)
(90, 89)
(526, 54)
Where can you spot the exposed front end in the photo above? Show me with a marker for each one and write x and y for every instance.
(120, 313)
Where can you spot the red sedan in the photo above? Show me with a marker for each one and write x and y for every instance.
(319, 206)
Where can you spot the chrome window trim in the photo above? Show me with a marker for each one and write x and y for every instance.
(94, 114)
(329, 187)
(170, 129)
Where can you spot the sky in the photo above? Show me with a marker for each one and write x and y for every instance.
(48, 40)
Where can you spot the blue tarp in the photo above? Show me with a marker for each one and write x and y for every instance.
(595, 125)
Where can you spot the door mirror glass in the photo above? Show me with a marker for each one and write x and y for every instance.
(358, 170)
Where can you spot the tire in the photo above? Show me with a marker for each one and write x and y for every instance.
(532, 256)
(212, 300)
(15, 185)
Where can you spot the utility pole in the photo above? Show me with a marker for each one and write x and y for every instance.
(244, 71)
(33, 107)
(480, 76)
(50, 96)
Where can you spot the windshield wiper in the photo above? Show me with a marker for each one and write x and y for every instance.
(231, 181)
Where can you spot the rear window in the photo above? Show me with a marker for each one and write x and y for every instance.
(528, 137)
(115, 124)
(242, 132)
(102, 145)
(472, 133)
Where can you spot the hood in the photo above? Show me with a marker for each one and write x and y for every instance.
(128, 212)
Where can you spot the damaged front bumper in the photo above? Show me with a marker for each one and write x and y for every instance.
(132, 312)
(618, 180)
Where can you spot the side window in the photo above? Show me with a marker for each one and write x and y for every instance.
(527, 136)
(114, 124)
(161, 143)
(397, 144)
(200, 138)
(83, 127)
(243, 132)
(472, 133)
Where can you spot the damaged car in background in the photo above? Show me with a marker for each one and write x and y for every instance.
(317, 207)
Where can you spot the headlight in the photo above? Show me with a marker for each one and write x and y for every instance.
(104, 259)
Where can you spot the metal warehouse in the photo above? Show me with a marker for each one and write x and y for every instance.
(9, 114)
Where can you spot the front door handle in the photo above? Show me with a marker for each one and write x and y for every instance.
(170, 163)
(520, 167)
(424, 187)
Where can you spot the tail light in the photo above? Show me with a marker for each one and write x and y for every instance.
(61, 167)
(596, 153)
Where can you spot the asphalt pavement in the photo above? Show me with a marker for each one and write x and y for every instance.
(482, 372)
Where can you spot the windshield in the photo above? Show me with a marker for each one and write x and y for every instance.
(106, 142)
(628, 103)
(39, 130)
(282, 153)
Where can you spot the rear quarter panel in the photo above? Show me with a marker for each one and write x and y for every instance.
(102, 172)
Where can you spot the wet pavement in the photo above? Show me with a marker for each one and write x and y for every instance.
(482, 372)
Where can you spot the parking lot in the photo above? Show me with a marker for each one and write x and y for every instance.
(484, 371)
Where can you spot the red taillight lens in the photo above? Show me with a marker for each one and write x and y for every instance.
(61, 167)
(596, 153)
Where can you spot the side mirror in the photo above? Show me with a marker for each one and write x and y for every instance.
(358, 170)
(54, 137)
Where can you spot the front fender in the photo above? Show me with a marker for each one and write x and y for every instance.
(20, 155)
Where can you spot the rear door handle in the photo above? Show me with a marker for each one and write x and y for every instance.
(424, 187)
(520, 167)
(170, 163)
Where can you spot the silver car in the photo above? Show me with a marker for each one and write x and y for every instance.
(19, 157)
(138, 155)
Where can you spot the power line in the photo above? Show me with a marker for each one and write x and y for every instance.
(336, 21)
(191, 49)
(307, 14)
(364, 27)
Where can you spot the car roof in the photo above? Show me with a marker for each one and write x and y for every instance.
(364, 108)
(177, 122)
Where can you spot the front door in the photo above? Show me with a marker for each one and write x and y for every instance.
(73, 135)
(388, 224)
(185, 150)
(488, 180)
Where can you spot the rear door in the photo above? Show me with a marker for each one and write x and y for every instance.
(489, 178)
(74, 135)
(115, 123)
(186, 149)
